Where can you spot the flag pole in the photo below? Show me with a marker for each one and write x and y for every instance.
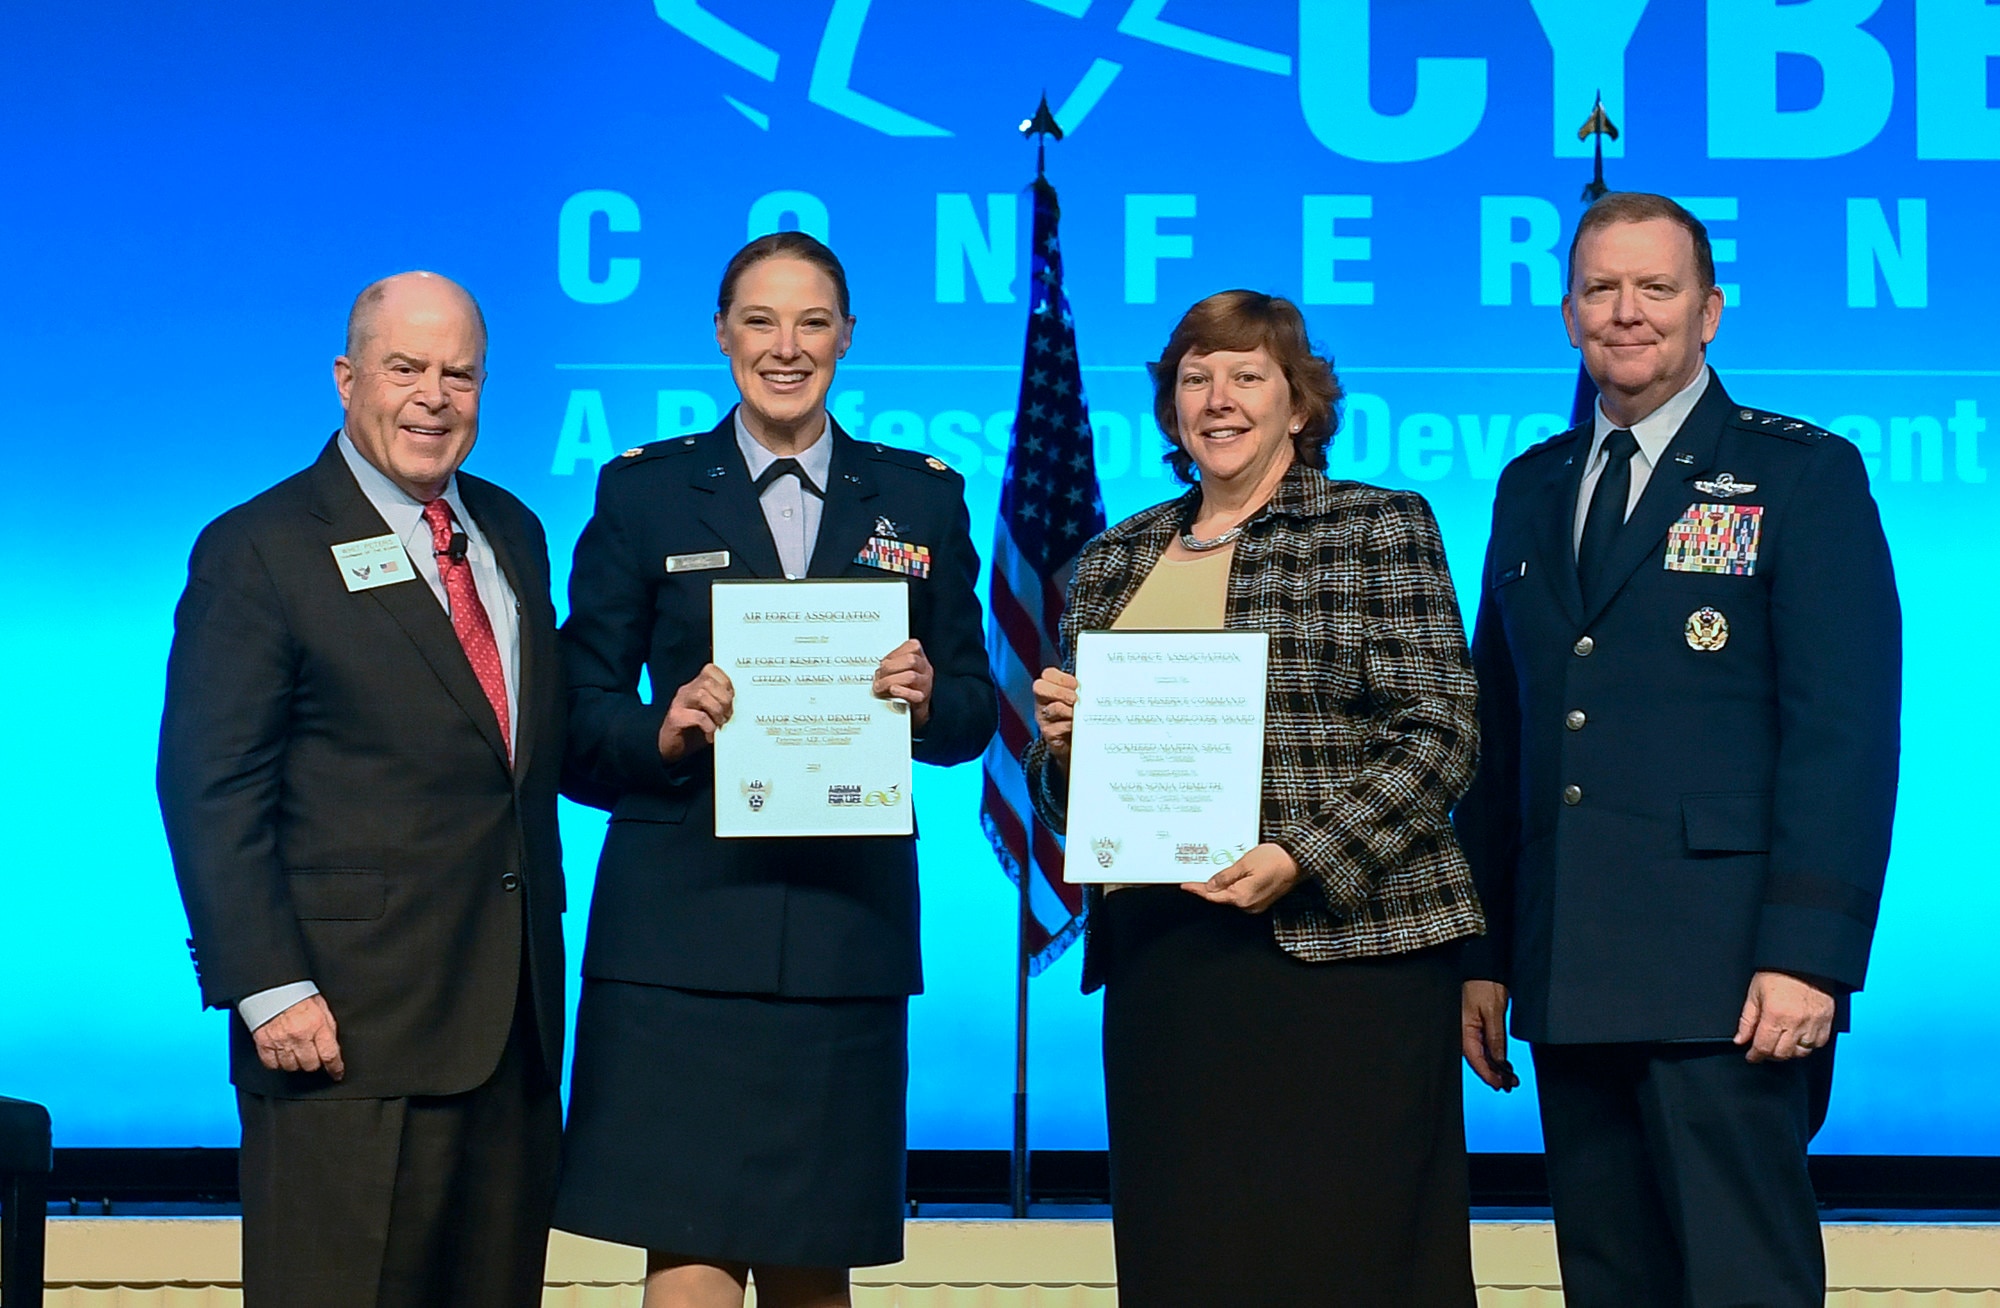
(1595, 128)
(1038, 129)
(1017, 1177)
(1050, 505)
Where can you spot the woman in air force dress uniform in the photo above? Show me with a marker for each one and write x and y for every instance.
(737, 1101)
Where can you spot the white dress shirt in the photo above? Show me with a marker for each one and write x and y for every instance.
(404, 515)
(791, 510)
(1653, 433)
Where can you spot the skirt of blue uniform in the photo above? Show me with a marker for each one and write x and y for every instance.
(737, 1128)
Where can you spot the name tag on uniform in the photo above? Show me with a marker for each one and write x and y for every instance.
(377, 561)
(896, 556)
(1717, 538)
(707, 561)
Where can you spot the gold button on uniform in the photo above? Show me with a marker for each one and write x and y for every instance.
(1583, 646)
(1572, 795)
(1575, 719)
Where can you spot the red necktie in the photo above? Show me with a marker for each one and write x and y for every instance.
(468, 616)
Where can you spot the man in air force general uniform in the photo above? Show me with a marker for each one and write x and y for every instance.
(1689, 655)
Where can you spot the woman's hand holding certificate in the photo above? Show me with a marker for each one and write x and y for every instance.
(1252, 883)
(906, 675)
(699, 708)
(1055, 711)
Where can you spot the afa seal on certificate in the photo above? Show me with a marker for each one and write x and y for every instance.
(810, 750)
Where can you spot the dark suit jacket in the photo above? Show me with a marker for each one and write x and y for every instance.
(1731, 806)
(674, 905)
(338, 800)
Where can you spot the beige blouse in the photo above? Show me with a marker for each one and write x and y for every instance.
(1181, 594)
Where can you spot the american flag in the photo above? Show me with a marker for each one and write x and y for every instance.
(1049, 506)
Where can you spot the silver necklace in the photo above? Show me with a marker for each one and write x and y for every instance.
(1189, 541)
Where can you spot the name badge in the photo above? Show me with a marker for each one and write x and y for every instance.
(896, 556)
(1717, 538)
(377, 561)
(707, 561)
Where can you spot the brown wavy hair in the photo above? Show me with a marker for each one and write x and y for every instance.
(1247, 320)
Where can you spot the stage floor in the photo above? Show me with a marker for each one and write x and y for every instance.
(1043, 1262)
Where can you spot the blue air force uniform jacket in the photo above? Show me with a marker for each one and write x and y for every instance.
(1694, 778)
(807, 918)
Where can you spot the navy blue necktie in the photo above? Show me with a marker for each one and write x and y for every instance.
(1607, 511)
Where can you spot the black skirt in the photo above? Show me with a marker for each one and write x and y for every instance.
(737, 1128)
(1282, 1132)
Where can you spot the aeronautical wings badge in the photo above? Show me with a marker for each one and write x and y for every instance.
(1725, 486)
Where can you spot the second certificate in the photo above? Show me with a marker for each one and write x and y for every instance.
(809, 750)
(1166, 773)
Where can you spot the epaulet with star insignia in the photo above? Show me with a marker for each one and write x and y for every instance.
(1777, 424)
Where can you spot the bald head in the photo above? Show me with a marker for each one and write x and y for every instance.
(411, 378)
(408, 292)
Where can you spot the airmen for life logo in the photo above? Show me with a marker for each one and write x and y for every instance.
(847, 795)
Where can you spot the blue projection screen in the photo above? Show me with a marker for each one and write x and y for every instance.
(193, 194)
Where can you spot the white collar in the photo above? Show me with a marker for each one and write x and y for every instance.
(1656, 430)
(401, 510)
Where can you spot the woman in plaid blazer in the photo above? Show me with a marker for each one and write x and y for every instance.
(1281, 1041)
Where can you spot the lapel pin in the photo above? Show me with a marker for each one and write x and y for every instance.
(718, 471)
(1685, 459)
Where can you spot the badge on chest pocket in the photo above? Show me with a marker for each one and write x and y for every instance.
(1716, 538)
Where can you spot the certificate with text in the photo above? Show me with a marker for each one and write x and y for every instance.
(809, 750)
(1166, 775)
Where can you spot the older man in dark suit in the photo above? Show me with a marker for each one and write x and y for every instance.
(1689, 654)
(358, 770)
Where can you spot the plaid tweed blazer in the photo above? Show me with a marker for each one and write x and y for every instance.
(1371, 727)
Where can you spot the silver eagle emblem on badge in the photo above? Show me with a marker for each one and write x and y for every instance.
(1725, 486)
